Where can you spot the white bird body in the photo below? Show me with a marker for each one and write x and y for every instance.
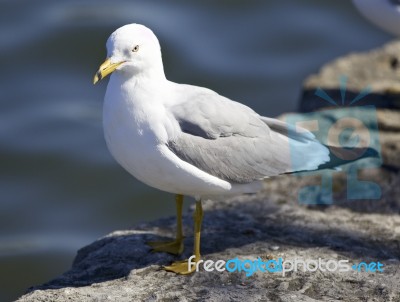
(190, 140)
(186, 139)
(131, 126)
(383, 13)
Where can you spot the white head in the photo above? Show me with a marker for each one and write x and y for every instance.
(131, 50)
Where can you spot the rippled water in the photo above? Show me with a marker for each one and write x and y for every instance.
(60, 189)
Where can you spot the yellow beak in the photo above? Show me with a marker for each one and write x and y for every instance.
(105, 69)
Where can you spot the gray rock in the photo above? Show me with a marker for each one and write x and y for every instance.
(120, 266)
(378, 69)
(389, 133)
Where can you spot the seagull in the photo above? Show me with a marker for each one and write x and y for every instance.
(383, 13)
(189, 140)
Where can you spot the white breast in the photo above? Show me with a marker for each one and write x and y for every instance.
(136, 133)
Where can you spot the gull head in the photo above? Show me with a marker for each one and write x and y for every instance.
(131, 49)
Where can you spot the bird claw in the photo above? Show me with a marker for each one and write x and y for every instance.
(180, 267)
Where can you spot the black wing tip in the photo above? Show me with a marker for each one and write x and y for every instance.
(338, 157)
(371, 152)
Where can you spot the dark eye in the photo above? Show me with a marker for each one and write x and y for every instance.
(135, 49)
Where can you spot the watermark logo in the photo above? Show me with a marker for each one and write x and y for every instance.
(351, 133)
(249, 267)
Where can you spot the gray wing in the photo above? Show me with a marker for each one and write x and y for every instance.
(230, 141)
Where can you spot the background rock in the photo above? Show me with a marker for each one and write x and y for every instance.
(378, 69)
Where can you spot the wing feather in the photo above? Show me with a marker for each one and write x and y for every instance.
(229, 140)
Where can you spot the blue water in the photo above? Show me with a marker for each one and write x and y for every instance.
(60, 188)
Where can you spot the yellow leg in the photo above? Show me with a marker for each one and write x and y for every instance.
(181, 267)
(175, 246)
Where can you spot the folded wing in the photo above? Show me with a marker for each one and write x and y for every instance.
(230, 141)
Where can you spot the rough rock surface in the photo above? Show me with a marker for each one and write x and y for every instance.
(271, 224)
(378, 69)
